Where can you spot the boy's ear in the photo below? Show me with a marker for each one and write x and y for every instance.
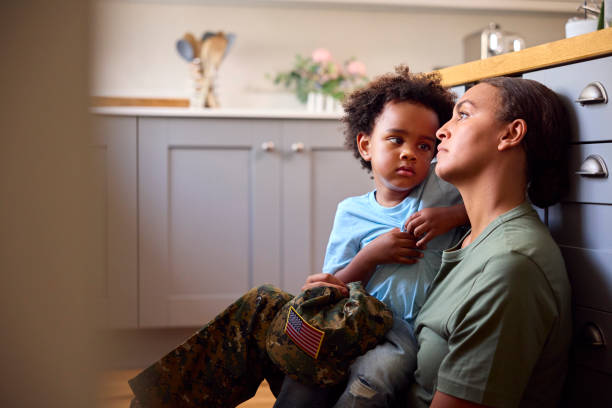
(363, 144)
(513, 136)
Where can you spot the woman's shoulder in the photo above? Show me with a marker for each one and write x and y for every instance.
(526, 256)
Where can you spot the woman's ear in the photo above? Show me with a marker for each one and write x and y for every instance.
(514, 134)
(363, 144)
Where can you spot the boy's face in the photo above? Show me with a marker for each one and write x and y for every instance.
(400, 148)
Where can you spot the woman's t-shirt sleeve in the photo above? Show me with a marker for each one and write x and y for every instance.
(497, 335)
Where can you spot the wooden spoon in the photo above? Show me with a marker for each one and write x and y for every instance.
(211, 54)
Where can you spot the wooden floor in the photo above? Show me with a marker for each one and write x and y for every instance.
(115, 392)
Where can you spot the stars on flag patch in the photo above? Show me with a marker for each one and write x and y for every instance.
(305, 336)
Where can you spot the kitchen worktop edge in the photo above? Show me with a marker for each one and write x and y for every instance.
(213, 113)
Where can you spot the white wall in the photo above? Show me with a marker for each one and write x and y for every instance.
(135, 51)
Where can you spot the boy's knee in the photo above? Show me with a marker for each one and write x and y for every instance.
(361, 393)
(360, 387)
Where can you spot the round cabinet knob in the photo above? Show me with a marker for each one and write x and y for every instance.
(268, 146)
(297, 147)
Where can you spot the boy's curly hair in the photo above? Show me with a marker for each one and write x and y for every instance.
(364, 105)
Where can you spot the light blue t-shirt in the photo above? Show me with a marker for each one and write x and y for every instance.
(359, 220)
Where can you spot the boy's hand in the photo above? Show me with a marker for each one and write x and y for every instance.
(431, 222)
(393, 247)
(325, 279)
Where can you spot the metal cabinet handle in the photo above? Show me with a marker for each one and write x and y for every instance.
(591, 336)
(593, 93)
(268, 146)
(593, 166)
(297, 147)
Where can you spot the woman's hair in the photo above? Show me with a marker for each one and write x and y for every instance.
(364, 105)
(547, 137)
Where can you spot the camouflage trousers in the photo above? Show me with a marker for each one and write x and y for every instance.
(222, 364)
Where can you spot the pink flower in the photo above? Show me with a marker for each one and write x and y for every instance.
(321, 55)
(356, 68)
(333, 70)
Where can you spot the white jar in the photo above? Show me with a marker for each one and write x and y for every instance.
(577, 26)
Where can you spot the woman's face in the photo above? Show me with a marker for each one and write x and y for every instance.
(469, 140)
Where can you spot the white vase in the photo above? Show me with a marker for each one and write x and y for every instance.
(330, 104)
(315, 102)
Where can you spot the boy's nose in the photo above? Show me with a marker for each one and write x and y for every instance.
(406, 154)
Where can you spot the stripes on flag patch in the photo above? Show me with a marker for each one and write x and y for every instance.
(306, 337)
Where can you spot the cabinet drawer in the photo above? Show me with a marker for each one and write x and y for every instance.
(591, 122)
(591, 327)
(590, 274)
(581, 225)
(588, 389)
(590, 189)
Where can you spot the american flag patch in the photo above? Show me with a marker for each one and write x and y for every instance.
(305, 336)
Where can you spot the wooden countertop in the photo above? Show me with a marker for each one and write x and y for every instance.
(582, 47)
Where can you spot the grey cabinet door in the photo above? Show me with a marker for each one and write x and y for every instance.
(209, 226)
(114, 187)
(314, 181)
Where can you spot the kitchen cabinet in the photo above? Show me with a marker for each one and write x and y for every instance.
(581, 226)
(114, 186)
(228, 204)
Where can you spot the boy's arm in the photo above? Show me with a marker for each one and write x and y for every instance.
(431, 222)
(392, 247)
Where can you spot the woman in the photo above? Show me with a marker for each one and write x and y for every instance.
(495, 329)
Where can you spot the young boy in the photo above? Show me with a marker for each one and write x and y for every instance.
(391, 126)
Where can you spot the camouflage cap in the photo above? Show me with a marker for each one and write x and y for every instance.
(316, 336)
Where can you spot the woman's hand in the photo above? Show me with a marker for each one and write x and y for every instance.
(325, 279)
(442, 400)
(431, 222)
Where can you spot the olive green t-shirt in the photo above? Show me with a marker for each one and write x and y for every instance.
(496, 326)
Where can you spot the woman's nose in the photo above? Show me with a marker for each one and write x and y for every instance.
(442, 133)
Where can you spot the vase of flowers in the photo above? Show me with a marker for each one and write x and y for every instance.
(320, 82)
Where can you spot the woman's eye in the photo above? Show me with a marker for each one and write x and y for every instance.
(462, 115)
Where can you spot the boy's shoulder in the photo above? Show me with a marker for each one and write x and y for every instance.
(363, 200)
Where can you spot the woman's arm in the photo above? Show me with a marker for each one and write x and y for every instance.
(442, 400)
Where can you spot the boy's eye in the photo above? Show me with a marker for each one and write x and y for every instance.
(425, 147)
(395, 140)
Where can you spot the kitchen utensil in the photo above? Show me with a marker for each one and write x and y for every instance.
(211, 54)
(185, 49)
(195, 44)
(188, 47)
